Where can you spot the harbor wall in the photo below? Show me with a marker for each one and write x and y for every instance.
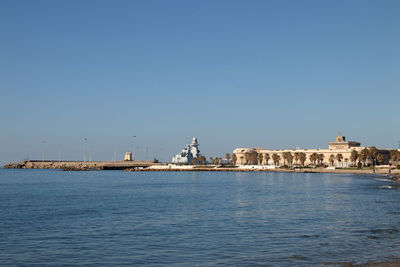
(79, 165)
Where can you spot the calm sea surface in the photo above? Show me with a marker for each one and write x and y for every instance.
(202, 218)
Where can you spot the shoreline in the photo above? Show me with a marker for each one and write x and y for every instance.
(147, 166)
(394, 174)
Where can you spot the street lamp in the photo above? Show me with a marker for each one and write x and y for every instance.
(59, 153)
(84, 149)
(43, 150)
(161, 150)
(133, 148)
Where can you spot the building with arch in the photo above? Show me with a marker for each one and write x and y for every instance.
(251, 156)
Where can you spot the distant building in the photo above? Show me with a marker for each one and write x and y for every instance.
(189, 155)
(128, 156)
(250, 156)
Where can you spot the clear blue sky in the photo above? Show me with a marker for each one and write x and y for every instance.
(232, 73)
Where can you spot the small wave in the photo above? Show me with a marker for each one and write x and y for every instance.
(386, 187)
(383, 180)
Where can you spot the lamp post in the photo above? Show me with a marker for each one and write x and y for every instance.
(133, 148)
(374, 163)
(160, 151)
(43, 150)
(84, 149)
(59, 153)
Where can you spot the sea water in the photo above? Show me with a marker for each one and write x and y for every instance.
(51, 217)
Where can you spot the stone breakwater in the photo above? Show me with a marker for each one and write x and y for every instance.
(79, 165)
(132, 166)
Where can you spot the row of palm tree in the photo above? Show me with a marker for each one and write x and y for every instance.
(371, 154)
(317, 159)
(219, 160)
(216, 160)
(287, 157)
(202, 159)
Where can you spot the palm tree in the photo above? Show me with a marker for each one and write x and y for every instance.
(296, 156)
(354, 156)
(234, 159)
(290, 159)
(339, 158)
(313, 158)
(302, 158)
(279, 159)
(276, 158)
(364, 155)
(372, 154)
(227, 157)
(285, 157)
(266, 157)
(202, 159)
(320, 158)
(260, 158)
(332, 159)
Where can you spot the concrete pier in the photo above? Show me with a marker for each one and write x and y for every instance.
(80, 165)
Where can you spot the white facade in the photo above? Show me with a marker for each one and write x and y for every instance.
(250, 156)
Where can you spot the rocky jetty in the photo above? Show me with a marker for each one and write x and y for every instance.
(81, 168)
(19, 165)
(79, 165)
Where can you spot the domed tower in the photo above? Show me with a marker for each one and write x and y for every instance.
(341, 143)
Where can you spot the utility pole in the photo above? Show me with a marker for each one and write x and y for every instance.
(133, 148)
(59, 153)
(84, 149)
(43, 150)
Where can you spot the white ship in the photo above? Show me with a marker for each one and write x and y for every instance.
(189, 155)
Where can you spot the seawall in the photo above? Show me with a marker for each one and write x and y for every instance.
(79, 165)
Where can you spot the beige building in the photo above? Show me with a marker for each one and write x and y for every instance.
(250, 156)
(128, 156)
